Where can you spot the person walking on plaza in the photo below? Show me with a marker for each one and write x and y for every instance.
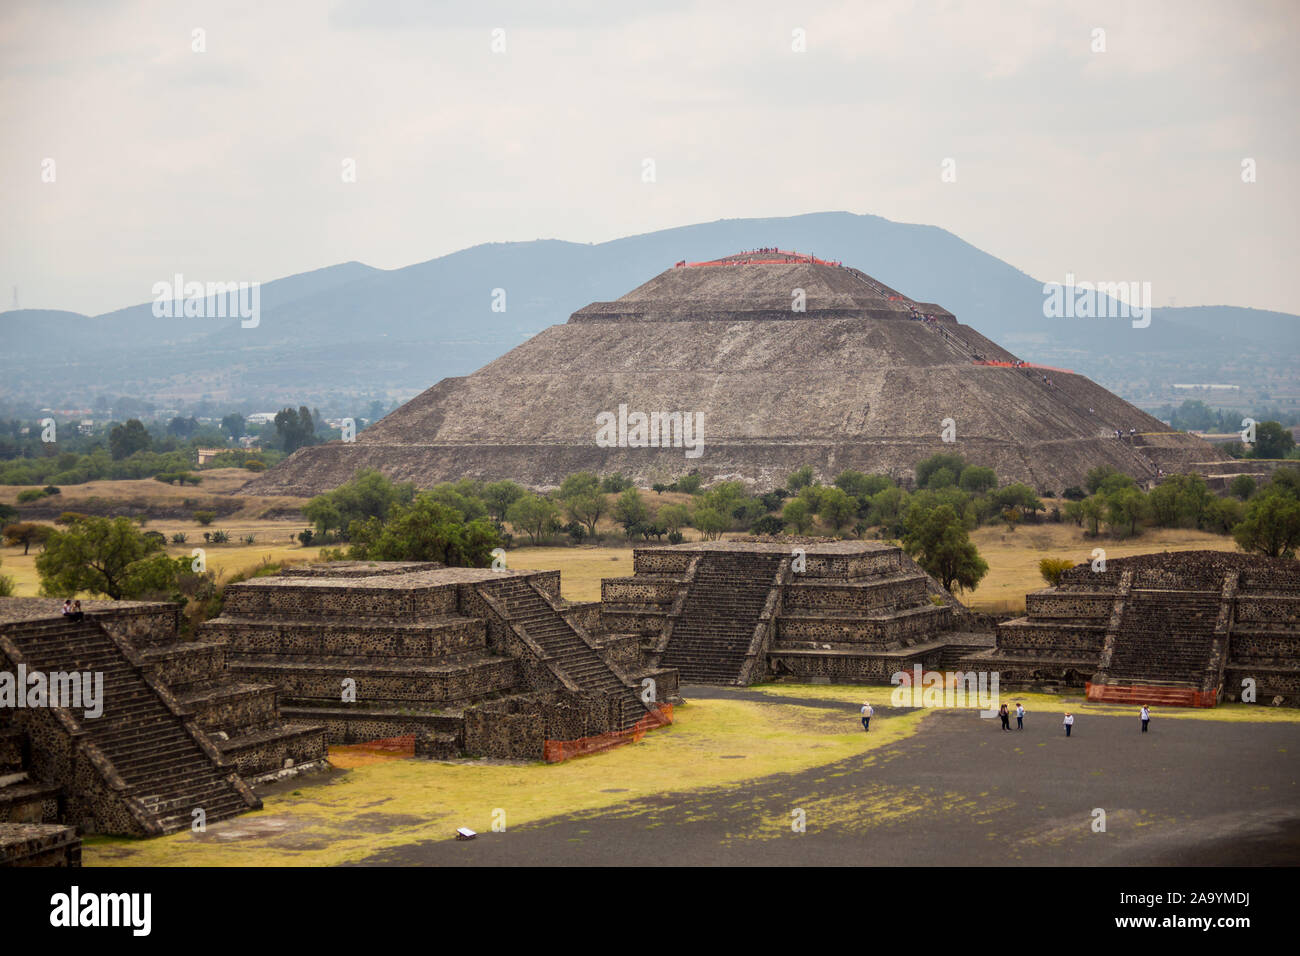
(1069, 722)
(1005, 716)
(1146, 717)
(1020, 716)
(867, 711)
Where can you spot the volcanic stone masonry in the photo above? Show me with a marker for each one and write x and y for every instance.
(862, 378)
(1189, 628)
(175, 735)
(748, 609)
(465, 660)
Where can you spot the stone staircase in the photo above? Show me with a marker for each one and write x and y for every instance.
(1166, 637)
(241, 718)
(712, 636)
(527, 608)
(159, 764)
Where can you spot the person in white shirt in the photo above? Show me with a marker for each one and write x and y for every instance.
(1146, 717)
(867, 711)
(1020, 716)
(1069, 722)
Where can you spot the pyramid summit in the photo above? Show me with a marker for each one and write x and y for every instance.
(776, 359)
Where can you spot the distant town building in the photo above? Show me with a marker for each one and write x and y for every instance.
(260, 418)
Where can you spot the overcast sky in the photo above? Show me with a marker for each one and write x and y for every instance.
(227, 164)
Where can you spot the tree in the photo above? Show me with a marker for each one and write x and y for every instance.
(534, 515)
(615, 484)
(938, 539)
(1126, 507)
(294, 429)
(927, 468)
(1242, 487)
(837, 508)
(580, 482)
(709, 522)
(99, 555)
(674, 517)
(26, 533)
(182, 427)
(425, 530)
(1271, 525)
(1222, 515)
(1052, 568)
(861, 486)
(500, 495)
(233, 425)
(1104, 479)
(689, 484)
(630, 510)
(370, 494)
(800, 478)
(977, 478)
(1180, 501)
(798, 515)
(1016, 495)
(769, 525)
(125, 440)
(1091, 510)
(586, 508)
(1272, 440)
(7, 513)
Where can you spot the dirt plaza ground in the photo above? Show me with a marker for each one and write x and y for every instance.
(727, 783)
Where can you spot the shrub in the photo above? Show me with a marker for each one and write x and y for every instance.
(675, 537)
(1074, 493)
(220, 537)
(250, 539)
(30, 494)
(205, 518)
(254, 465)
(768, 524)
(52, 490)
(305, 537)
(1052, 568)
(178, 537)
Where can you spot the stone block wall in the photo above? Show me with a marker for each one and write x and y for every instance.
(808, 596)
(885, 631)
(1072, 605)
(1052, 638)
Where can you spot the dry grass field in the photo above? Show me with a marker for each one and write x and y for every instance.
(1013, 556)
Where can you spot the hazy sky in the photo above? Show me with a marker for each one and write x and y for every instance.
(227, 164)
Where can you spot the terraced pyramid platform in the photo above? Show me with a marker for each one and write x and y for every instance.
(741, 610)
(174, 741)
(789, 360)
(461, 660)
(1184, 628)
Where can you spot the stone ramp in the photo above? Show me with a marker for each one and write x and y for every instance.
(576, 658)
(140, 768)
(711, 639)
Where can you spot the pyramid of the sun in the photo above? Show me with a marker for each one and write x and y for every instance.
(788, 360)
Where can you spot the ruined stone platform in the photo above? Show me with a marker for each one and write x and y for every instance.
(1183, 628)
(747, 609)
(375, 650)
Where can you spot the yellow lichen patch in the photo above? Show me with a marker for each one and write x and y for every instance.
(382, 804)
(1037, 705)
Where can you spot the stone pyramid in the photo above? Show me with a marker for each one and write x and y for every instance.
(755, 364)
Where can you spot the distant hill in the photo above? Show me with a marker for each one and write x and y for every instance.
(352, 329)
